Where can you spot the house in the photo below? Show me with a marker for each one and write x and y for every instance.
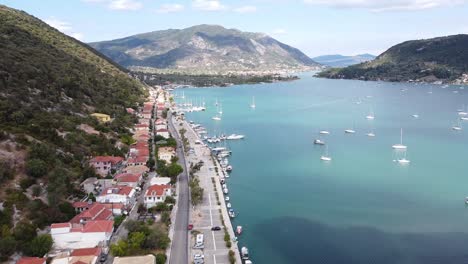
(148, 259)
(166, 154)
(163, 132)
(156, 194)
(78, 256)
(104, 164)
(160, 124)
(140, 169)
(128, 179)
(74, 236)
(160, 180)
(117, 194)
(89, 185)
(141, 127)
(103, 118)
(95, 211)
(137, 161)
(31, 260)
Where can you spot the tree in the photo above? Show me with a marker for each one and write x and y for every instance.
(174, 169)
(135, 240)
(36, 168)
(67, 209)
(24, 232)
(160, 258)
(120, 248)
(40, 245)
(36, 190)
(7, 247)
(91, 197)
(166, 217)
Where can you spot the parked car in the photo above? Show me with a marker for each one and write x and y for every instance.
(215, 228)
(103, 258)
(190, 227)
(198, 256)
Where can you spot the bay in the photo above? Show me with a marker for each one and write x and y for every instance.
(362, 207)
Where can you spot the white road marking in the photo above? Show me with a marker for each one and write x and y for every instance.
(214, 258)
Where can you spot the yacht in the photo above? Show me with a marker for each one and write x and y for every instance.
(370, 134)
(235, 136)
(326, 157)
(217, 118)
(370, 116)
(324, 132)
(229, 168)
(252, 105)
(231, 213)
(225, 191)
(245, 253)
(350, 131)
(228, 205)
(400, 145)
(319, 142)
(464, 118)
(415, 116)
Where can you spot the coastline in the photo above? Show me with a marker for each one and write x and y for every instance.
(202, 152)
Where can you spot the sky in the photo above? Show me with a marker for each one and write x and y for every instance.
(316, 27)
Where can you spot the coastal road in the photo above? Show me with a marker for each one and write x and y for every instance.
(179, 248)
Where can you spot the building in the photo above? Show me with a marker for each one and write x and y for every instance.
(117, 194)
(156, 194)
(78, 256)
(166, 154)
(103, 118)
(104, 164)
(160, 124)
(89, 234)
(128, 179)
(160, 181)
(137, 161)
(31, 260)
(148, 259)
(163, 132)
(95, 211)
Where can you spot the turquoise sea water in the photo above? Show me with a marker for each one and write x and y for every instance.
(362, 207)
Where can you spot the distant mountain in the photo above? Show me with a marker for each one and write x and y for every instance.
(204, 49)
(343, 61)
(442, 59)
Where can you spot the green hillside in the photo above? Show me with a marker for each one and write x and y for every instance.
(49, 85)
(439, 59)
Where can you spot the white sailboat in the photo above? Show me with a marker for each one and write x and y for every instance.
(252, 105)
(326, 157)
(370, 116)
(400, 146)
(403, 160)
(458, 126)
(324, 132)
(217, 117)
(371, 133)
(350, 130)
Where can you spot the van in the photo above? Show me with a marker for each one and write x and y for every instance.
(199, 241)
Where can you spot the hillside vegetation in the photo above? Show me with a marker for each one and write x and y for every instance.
(442, 59)
(207, 49)
(49, 85)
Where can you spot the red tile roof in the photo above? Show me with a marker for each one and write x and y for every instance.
(96, 211)
(80, 204)
(31, 260)
(60, 225)
(111, 159)
(113, 205)
(141, 125)
(157, 190)
(122, 190)
(98, 226)
(137, 159)
(86, 252)
(128, 177)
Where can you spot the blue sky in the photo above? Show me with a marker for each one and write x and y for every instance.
(317, 27)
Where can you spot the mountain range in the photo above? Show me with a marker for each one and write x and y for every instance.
(338, 60)
(204, 49)
(442, 59)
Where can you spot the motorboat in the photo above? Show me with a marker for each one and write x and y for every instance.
(239, 230)
(319, 142)
(228, 205)
(245, 253)
(326, 157)
(225, 191)
(370, 134)
(234, 137)
(226, 198)
(231, 213)
(229, 168)
(324, 132)
(350, 131)
(217, 118)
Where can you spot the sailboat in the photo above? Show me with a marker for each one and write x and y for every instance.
(217, 117)
(403, 160)
(400, 146)
(220, 110)
(350, 130)
(457, 127)
(371, 133)
(324, 132)
(253, 102)
(326, 157)
(370, 116)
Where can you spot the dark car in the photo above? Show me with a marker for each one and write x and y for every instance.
(215, 228)
(190, 227)
(103, 258)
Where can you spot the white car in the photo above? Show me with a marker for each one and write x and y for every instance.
(198, 256)
(227, 198)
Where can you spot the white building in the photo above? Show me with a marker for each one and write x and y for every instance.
(166, 154)
(156, 194)
(73, 236)
(118, 194)
(163, 132)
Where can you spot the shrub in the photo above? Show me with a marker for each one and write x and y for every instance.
(40, 245)
(232, 257)
(160, 258)
(36, 168)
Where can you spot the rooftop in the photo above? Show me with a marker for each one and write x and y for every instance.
(31, 260)
(157, 190)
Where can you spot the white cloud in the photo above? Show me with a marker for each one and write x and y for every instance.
(170, 8)
(245, 9)
(125, 5)
(208, 5)
(386, 5)
(63, 27)
(279, 31)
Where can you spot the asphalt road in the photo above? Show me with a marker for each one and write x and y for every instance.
(179, 248)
